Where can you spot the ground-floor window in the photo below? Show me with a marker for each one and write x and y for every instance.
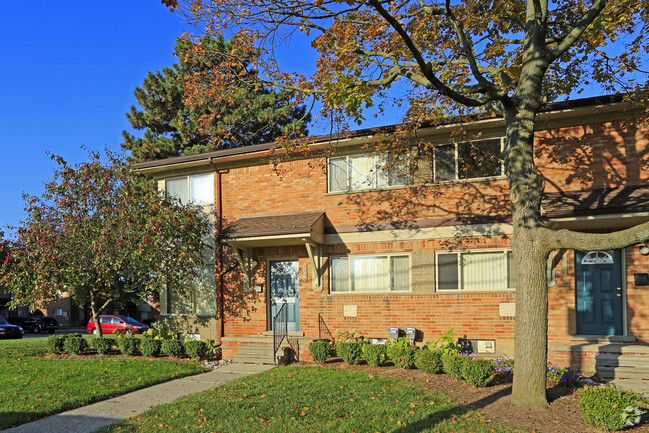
(200, 299)
(481, 270)
(370, 273)
(475, 270)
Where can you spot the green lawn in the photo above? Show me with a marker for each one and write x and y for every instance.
(312, 399)
(34, 386)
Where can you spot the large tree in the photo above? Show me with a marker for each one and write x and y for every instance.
(180, 119)
(102, 233)
(456, 57)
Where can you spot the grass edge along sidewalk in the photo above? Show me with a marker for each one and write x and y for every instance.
(312, 399)
(36, 385)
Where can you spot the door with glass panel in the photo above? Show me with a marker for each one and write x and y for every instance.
(598, 297)
(284, 289)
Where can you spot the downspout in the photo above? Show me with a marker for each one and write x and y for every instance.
(219, 251)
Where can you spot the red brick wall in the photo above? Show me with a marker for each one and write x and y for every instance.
(573, 158)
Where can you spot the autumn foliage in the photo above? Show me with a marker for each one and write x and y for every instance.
(102, 233)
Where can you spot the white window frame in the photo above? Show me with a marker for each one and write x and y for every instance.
(350, 284)
(456, 160)
(459, 253)
(188, 178)
(392, 180)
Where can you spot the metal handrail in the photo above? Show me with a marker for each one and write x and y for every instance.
(323, 329)
(280, 329)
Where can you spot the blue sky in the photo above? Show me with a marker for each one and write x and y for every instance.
(67, 80)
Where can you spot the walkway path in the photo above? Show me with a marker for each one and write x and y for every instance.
(86, 419)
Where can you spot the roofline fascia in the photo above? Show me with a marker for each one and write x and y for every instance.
(553, 112)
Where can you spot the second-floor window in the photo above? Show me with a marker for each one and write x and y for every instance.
(195, 189)
(356, 172)
(467, 160)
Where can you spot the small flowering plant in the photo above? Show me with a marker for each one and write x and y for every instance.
(503, 368)
(563, 376)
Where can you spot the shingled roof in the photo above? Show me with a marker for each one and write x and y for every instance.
(596, 201)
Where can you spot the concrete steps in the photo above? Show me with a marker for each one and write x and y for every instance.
(255, 354)
(625, 371)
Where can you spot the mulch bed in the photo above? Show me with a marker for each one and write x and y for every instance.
(562, 415)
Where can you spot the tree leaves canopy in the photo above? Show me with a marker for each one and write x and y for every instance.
(472, 53)
(100, 232)
(180, 116)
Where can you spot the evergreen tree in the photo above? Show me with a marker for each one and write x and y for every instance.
(179, 118)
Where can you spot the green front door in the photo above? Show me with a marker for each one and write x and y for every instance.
(284, 289)
(599, 297)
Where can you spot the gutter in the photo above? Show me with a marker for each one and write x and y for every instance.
(218, 209)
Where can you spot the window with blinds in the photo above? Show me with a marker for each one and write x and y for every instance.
(357, 172)
(370, 274)
(196, 189)
(474, 271)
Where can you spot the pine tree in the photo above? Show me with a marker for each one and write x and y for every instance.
(179, 118)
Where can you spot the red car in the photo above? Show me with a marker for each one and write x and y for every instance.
(113, 324)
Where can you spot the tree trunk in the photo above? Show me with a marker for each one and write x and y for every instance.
(95, 314)
(530, 248)
(531, 327)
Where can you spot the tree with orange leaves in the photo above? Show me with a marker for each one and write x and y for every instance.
(456, 57)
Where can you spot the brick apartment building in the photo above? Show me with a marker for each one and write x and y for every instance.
(346, 244)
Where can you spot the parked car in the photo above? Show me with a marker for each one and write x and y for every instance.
(8, 330)
(35, 324)
(112, 324)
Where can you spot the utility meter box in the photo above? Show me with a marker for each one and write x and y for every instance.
(410, 332)
(393, 332)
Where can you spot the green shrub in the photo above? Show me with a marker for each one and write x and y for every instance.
(429, 361)
(375, 354)
(128, 345)
(320, 350)
(75, 343)
(212, 349)
(102, 345)
(401, 353)
(195, 349)
(173, 348)
(610, 408)
(55, 343)
(477, 372)
(403, 357)
(453, 365)
(446, 344)
(350, 351)
(150, 347)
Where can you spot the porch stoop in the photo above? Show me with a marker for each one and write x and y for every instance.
(624, 364)
(258, 349)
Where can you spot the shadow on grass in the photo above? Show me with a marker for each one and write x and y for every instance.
(433, 419)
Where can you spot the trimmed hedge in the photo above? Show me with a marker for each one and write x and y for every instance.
(173, 348)
(403, 357)
(610, 408)
(375, 354)
(195, 349)
(150, 347)
(429, 361)
(477, 372)
(350, 351)
(320, 350)
(128, 345)
(75, 343)
(102, 345)
(55, 343)
(453, 365)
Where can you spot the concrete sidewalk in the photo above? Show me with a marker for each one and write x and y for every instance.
(89, 418)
